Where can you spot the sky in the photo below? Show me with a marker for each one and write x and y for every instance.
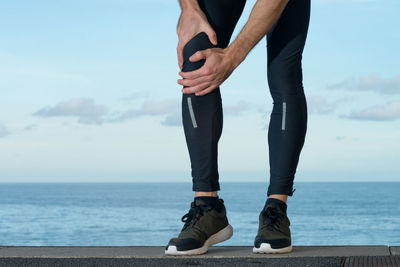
(89, 93)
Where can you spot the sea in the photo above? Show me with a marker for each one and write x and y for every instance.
(149, 214)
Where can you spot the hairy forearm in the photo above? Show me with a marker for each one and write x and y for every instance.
(263, 16)
(189, 5)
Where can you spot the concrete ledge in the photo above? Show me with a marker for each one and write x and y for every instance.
(395, 250)
(217, 255)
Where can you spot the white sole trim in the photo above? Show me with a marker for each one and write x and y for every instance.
(218, 237)
(266, 248)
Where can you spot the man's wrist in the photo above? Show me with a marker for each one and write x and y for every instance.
(236, 53)
(189, 5)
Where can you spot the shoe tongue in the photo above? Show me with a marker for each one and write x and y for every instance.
(280, 206)
(200, 202)
(275, 206)
(208, 201)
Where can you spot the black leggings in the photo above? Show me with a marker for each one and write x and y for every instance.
(202, 116)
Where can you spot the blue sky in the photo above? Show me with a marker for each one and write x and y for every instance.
(89, 93)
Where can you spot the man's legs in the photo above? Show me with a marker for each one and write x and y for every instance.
(288, 123)
(288, 120)
(206, 222)
(202, 116)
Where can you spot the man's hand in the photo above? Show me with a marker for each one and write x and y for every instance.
(191, 22)
(218, 66)
(220, 63)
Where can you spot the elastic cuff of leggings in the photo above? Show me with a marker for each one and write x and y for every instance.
(280, 190)
(205, 187)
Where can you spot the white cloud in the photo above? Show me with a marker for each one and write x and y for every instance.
(340, 138)
(386, 112)
(371, 82)
(319, 105)
(3, 130)
(236, 109)
(152, 108)
(30, 127)
(173, 119)
(84, 108)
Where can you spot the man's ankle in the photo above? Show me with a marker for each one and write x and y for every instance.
(206, 194)
(280, 197)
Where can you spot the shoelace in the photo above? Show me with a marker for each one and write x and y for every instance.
(194, 214)
(271, 218)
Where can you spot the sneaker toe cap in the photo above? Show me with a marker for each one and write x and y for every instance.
(184, 243)
(275, 243)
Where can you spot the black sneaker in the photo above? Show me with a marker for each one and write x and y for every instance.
(273, 232)
(205, 225)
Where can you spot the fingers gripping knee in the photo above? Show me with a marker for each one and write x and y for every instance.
(197, 43)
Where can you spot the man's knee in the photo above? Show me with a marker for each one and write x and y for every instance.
(285, 78)
(197, 43)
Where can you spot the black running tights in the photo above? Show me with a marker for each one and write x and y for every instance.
(202, 116)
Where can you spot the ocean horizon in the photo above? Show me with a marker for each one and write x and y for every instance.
(149, 214)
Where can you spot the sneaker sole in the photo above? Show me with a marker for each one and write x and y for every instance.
(266, 248)
(218, 237)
